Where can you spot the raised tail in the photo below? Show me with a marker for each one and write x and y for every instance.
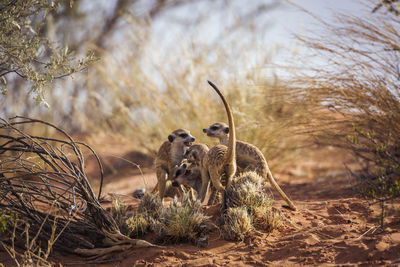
(230, 157)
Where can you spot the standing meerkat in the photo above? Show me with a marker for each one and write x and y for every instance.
(170, 155)
(249, 157)
(219, 163)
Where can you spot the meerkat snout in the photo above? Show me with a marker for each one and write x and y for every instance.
(205, 130)
(190, 142)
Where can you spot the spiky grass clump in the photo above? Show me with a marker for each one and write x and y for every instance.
(185, 222)
(150, 211)
(248, 176)
(179, 223)
(237, 224)
(265, 218)
(119, 213)
(246, 191)
(138, 224)
(151, 205)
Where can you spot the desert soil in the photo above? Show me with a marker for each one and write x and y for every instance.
(332, 226)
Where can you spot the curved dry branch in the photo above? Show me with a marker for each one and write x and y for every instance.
(43, 181)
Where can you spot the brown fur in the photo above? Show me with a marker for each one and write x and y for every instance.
(219, 164)
(249, 157)
(170, 155)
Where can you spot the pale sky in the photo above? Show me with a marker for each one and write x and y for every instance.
(275, 29)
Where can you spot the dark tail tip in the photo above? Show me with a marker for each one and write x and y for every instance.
(211, 83)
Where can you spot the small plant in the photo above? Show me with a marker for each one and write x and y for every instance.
(237, 224)
(265, 218)
(138, 224)
(33, 254)
(5, 219)
(246, 193)
(119, 213)
(379, 179)
(150, 212)
(185, 222)
(151, 205)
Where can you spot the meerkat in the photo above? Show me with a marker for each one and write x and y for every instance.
(170, 190)
(188, 175)
(170, 155)
(248, 157)
(219, 163)
(196, 158)
(189, 172)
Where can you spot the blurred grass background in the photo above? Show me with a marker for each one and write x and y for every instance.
(341, 76)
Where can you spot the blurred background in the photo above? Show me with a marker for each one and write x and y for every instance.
(297, 73)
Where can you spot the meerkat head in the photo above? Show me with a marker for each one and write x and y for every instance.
(181, 173)
(219, 130)
(195, 153)
(181, 136)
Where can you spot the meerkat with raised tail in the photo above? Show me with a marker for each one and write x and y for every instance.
(219, 163)
(170, 155)
(248, 157)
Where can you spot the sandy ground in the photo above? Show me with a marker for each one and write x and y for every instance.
(331, 227)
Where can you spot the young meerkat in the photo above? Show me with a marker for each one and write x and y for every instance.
(170, 155)
(189, 172)
(189, 176)
(248, 157)
(219, 163)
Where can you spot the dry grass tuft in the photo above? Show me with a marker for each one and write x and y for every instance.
(265, 218)
(151, 205)
(183, 223)
(237, 224)
(180, 222)
(119, 213)
(246, 195)
(138, 224)
(246, 191)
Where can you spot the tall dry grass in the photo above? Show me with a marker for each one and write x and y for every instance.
(356, 94)
(150, 97)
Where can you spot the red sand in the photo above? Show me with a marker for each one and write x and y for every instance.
(331, 227)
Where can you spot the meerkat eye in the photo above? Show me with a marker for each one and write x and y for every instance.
(183, 135)
(214, 128)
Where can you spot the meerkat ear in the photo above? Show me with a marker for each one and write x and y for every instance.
(226, 130)
(171, 138)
